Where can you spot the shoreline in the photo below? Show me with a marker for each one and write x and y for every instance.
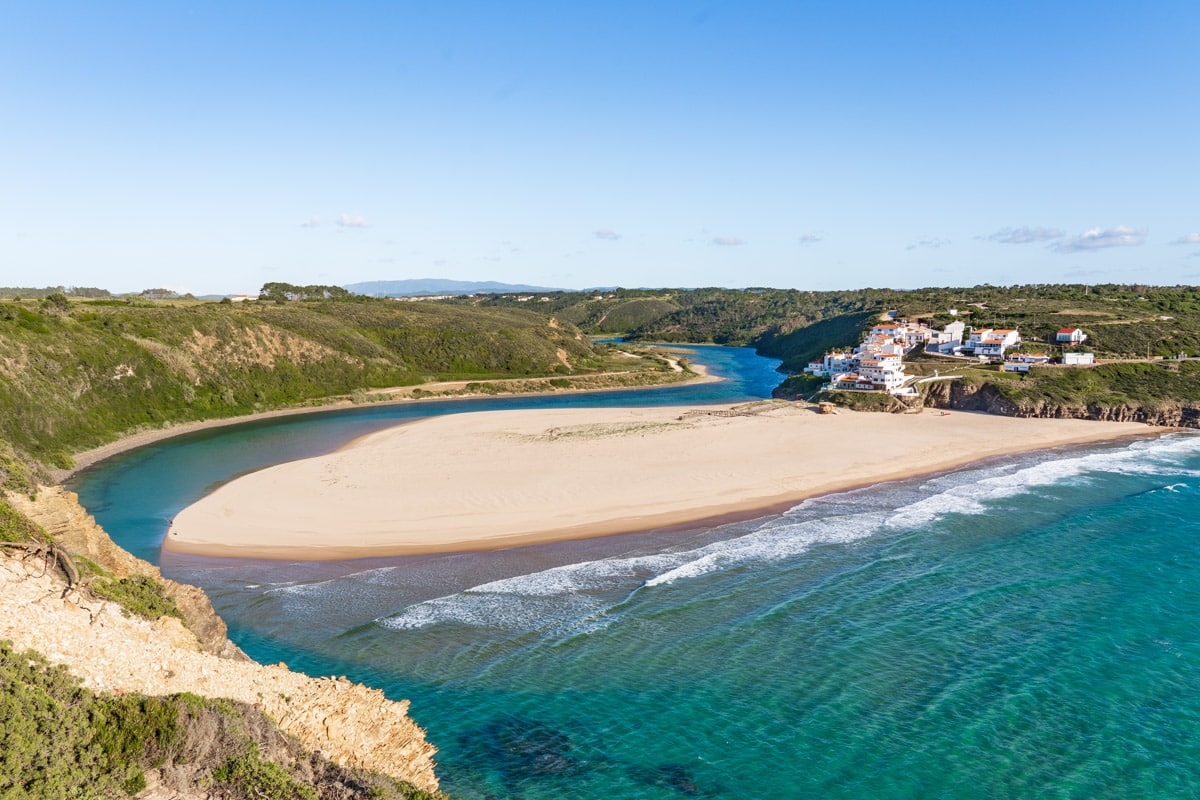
(89, 458)
(573, 474)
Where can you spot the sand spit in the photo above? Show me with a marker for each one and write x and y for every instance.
(502, 478)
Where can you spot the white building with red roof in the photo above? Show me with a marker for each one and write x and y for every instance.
(1070, 336)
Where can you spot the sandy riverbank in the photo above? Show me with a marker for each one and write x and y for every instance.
(442, 391)
(503, 478)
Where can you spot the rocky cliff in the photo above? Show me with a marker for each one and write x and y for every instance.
(986, 397)
(350, 724)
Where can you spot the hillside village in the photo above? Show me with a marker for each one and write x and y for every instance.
(877, 363)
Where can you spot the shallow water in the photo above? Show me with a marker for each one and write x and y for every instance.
(1023, 628)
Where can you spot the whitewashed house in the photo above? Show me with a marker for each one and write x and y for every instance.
(1070, 336)
(1079, 359)
(852, 381)
(885, 373)
(947, 340)
(992, 342)
(1021, 362)
(833, 363)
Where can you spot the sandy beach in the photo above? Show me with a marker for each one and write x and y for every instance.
(503, 478)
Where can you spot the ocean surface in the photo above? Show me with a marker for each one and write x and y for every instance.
(1028, 627)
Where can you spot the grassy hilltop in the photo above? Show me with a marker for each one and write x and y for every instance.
(75, 374)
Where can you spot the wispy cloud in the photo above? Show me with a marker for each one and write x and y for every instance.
(934, 243)
(311, 222)
(728, 241)
(606, 234)
(1101, 238)
(1025, 235)
(1191, 238)
(351, 221)
(810, 238)
(1084, 273)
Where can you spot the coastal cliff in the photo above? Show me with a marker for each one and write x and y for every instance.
(987, 397)
(114, 653)
(1170, 410)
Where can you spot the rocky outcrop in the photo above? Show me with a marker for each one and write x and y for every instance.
(350, 724)
(60, 515)
(986, 397)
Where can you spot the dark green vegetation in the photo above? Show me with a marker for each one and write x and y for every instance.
(73, 291)
(283, 292)
(750, 317)
(59, 740)
(1122, 322)
(1140, 384)
(74, 375)
(1119, 320)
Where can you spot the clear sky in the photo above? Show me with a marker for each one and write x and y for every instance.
(214, 146)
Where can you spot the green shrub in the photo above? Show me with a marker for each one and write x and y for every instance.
(15, 474)
(138, 594)
(16, 527)
(88, 568)
(58, 740)
(248, 776)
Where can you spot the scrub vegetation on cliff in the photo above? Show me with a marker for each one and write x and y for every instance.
(59, 740)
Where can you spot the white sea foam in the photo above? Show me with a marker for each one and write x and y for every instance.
(971, 491)
(584, 597)
(579, 598)
(774, 542)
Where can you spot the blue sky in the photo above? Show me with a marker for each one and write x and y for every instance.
(214, 146)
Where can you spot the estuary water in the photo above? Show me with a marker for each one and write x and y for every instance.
(1026, 627)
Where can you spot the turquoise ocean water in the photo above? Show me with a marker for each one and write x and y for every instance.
(1027, 627)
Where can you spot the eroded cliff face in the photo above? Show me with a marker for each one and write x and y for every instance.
(984, 397)
(59, 513)
(351, 724)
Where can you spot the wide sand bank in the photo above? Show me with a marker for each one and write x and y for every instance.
(435, 392)
(502, 478)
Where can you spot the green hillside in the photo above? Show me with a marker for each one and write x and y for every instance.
(1120, 320)
(1127, 322)
(746, 317)
(77, 374)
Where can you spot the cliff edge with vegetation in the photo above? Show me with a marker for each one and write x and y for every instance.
(120, 683)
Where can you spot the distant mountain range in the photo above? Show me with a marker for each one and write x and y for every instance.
(420, 287)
